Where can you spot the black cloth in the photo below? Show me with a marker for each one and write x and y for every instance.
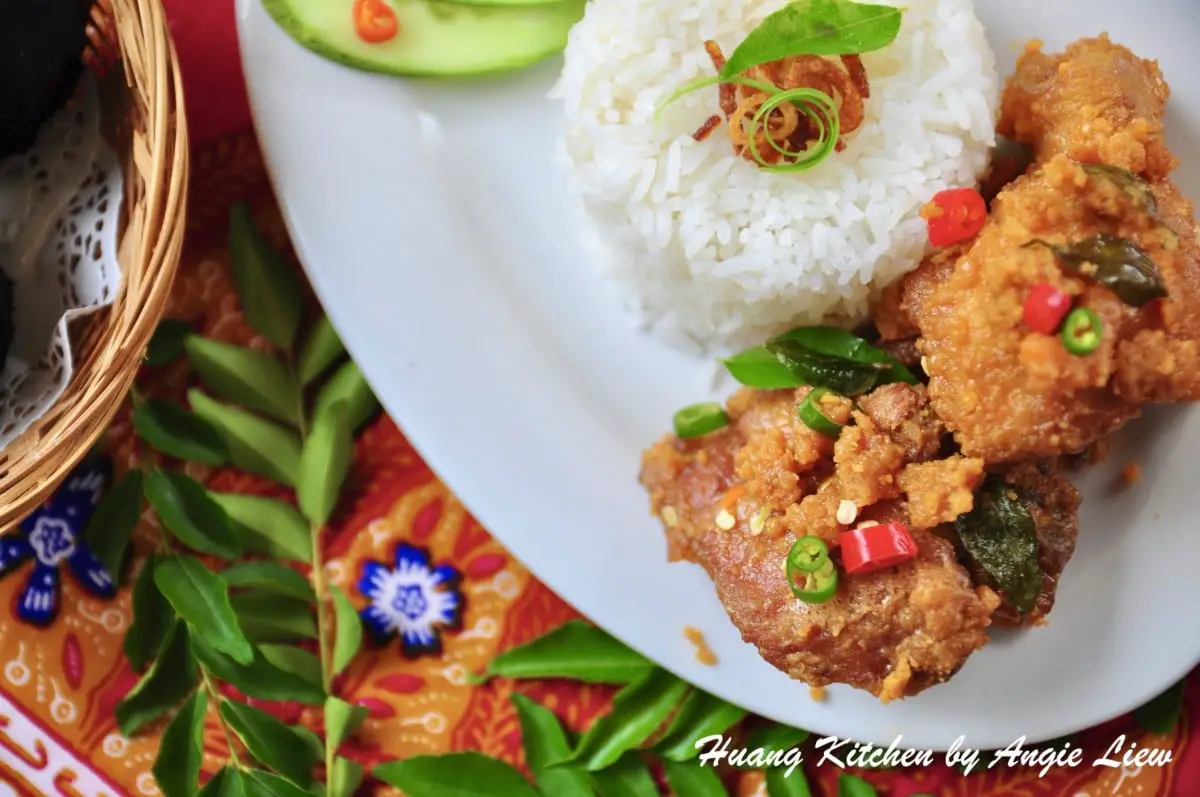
(41, 60)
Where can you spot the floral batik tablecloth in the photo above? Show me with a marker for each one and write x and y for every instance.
(61, 668)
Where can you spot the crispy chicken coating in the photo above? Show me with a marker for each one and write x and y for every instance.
(893, 632)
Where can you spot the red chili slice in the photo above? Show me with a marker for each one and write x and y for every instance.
(954, 215)
(875, 547)
(375, 21)
(1045, 308)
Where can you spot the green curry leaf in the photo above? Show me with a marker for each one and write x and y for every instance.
(759, 368)
(321, 349)
(166, 344)
(454, 775)
(152, 617)
(181, 751)
(701, 715)
(174, 430)
(637, 712)
(170, 679)
(201, 599)
(545, 743)
(267, 287)
(116, 516)
(575, 650)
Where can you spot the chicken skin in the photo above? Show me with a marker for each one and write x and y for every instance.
(1093, 116)
(893, 632)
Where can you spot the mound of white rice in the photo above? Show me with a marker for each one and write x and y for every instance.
(710, 250)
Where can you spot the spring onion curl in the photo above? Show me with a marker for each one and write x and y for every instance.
(820, 108)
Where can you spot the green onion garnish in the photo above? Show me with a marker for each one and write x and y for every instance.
(808, 561)
(810, 412)
(817, 106)
(813, 103)
(699, 419)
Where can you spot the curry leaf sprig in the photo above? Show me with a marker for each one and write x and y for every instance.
(215, 604)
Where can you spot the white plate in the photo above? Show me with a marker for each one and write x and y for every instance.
(430, 217)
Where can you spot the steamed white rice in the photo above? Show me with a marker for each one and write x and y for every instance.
(713, 252)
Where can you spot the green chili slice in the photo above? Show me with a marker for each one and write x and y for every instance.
(699, 419)
(1082, 331)
(811, 573)
(810, 412)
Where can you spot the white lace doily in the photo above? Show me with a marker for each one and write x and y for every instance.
(59, 208)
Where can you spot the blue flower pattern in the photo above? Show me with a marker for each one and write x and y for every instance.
(413, 600)
(52, 535)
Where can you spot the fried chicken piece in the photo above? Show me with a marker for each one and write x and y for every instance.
(1009, 393)
(1096, 102)
(893, 632)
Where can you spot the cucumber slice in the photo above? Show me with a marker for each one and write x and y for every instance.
(435, 38)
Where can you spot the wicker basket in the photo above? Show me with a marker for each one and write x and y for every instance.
(142, 97)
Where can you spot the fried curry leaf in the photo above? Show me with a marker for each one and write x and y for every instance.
(1000, 537)
(836, 342)
(836, 359)
(1133, 185)
(1117, 263)
(816, 27)
(1140, 192)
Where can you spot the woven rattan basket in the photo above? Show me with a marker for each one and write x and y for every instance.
(131, 52)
